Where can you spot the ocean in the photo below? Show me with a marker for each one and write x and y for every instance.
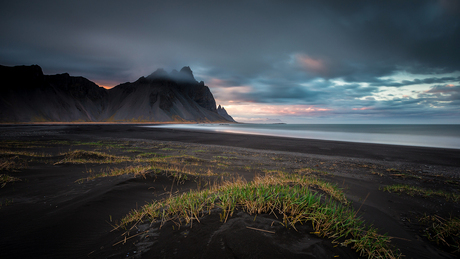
(432, 135)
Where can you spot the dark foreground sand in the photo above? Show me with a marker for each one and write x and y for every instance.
(52, 216)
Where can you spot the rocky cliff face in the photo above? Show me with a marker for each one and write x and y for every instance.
(29, 96)
(222, 112)
(184, 82)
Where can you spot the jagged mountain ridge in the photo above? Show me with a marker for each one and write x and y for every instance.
(27, 95)
(222, 112)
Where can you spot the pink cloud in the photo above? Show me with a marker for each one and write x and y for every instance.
(362, 109)
(311, 64)
(446, 89)
(274, 110)
(216, 82)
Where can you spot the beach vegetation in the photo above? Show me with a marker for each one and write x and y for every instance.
(4, 152)
(445, 232)
(286, 196)
(83, 157)
(377, 173)
(412, 190)
(150, 154)
(12, 163)
(199, 150)
(5, 179)
(224, 157)
(186, 158)
(178, 171)
(307, 170)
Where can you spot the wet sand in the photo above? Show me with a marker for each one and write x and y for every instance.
(51, 216)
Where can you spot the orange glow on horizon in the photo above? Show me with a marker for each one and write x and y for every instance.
(106, 85)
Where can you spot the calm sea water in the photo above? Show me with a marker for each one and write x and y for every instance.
(443, 136)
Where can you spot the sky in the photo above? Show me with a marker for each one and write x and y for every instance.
(290, 61)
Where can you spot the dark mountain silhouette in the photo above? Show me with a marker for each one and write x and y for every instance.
(26, 95)
(222, 112)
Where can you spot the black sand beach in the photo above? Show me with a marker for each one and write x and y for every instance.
(50, 214)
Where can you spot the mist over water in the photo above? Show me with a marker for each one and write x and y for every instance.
(441, 136)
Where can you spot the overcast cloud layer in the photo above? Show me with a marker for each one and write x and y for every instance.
(298, 61)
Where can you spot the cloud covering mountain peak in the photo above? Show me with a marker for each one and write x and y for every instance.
(184, 75)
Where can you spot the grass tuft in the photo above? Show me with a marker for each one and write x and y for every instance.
(13, 163)
(4, 179)
(23, 153)
(443, 232)
(83, 157)
(288, 195)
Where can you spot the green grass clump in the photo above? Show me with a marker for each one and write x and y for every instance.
(310, 181)
(414, 190)
(83, 157)
(444, 232)
(4, 179)
(286, 195)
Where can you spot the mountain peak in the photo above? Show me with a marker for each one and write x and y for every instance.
(184, 75)
(186, 70)
(222, 112)
(159, 74)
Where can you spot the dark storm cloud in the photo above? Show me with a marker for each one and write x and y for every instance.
(284, 94)
(444, 93)
(278, 48)
(241, 37)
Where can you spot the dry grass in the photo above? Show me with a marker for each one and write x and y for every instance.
(276, 193)
(84, 157)
(156, 165)
(418, 191)
(443, 232)
(23, 153)
(12, 163)
(5, 179)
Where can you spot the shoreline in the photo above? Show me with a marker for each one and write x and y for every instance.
(327, 133)
(283, 134)
(331, 148)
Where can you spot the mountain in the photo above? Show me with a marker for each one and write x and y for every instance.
(222, 112)
(27, 95)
